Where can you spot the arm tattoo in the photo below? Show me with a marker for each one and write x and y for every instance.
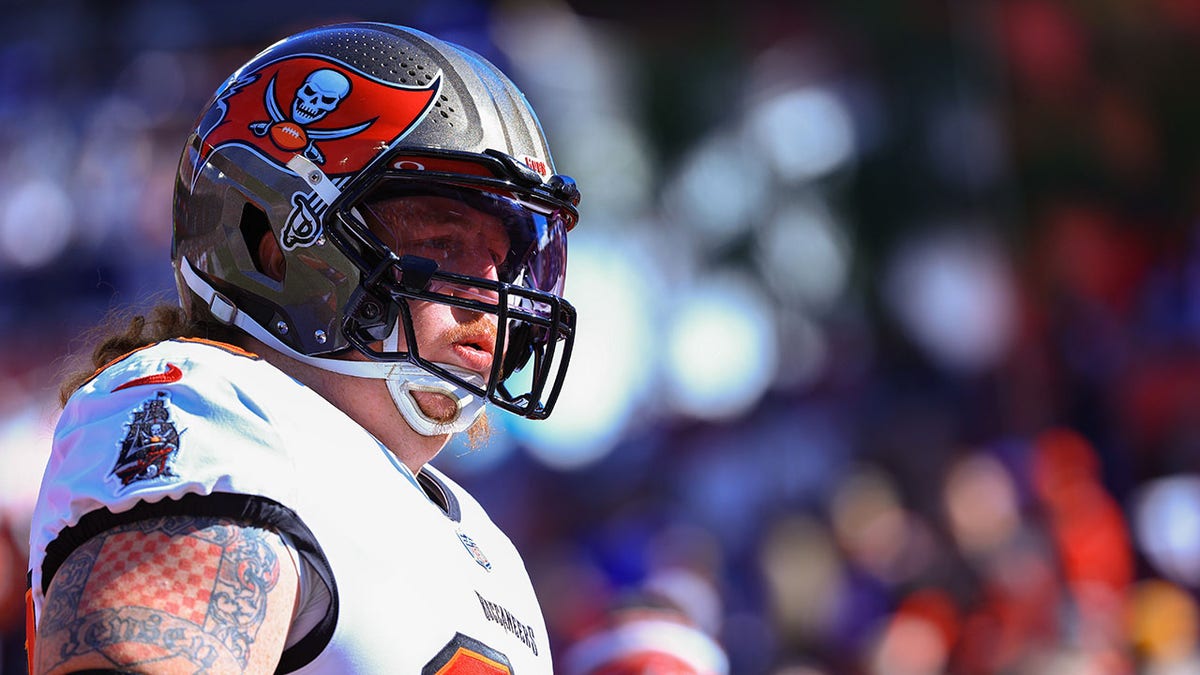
(239, 602)
(177, 589)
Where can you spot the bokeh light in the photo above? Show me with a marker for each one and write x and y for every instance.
(953, 292)
(1163, 622)
(804, 255)
(1167, 513)
(981, 504)
(803, 133)
(611, 367)
(721, 188)
(35, 226)
(720, 348)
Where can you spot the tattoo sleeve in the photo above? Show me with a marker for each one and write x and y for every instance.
(174, 594)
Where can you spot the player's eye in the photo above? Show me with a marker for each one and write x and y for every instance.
(443, 246)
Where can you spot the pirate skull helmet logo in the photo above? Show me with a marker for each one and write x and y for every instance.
(322, 91)
(320, 95)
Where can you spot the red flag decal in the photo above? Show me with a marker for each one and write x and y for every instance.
(322, 108)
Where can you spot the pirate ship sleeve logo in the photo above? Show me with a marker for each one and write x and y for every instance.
(150, 445)
(334, 114)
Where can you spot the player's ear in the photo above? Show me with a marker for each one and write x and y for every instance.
(270, 257)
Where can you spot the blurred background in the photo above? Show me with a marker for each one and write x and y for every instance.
(889, 354)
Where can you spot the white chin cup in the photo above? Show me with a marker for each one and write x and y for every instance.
(410, 379)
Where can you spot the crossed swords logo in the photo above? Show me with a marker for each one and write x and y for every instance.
(320, 94)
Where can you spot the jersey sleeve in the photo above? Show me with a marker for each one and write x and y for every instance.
(173, 429)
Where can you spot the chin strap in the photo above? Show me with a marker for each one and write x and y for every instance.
(415, 379)
(470, 406)
(403, 378)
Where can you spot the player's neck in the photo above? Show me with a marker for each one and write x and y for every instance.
(411, 448)
(369, 403)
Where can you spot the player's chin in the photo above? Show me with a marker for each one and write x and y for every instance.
(438, 407)
(441, 408)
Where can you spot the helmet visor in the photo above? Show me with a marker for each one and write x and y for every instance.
(471, 232)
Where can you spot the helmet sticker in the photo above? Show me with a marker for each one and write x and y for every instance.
(538, 165)
(150, 445)
(334, 114)
(303, 226)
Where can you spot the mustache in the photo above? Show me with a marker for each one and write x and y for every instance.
(476, 330)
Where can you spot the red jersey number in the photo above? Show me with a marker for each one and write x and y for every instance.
(467, 656)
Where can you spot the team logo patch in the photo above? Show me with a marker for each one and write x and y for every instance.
(150, 445)
(475, 551)
(318, 107)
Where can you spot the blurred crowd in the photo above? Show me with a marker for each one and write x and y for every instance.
(905, 296)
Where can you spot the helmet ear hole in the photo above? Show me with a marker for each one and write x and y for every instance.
(264, 250)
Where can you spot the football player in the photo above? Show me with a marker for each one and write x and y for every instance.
(369, 245)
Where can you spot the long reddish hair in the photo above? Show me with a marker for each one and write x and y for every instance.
(122, 332)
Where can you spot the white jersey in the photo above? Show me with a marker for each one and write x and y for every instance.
(393, 581)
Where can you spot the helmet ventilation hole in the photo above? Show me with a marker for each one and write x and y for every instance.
(254, 227)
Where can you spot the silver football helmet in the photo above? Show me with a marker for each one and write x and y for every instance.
(324, 142)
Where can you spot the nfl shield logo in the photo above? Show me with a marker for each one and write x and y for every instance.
(473, 549)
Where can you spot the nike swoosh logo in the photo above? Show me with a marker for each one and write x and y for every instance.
(172, 374)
